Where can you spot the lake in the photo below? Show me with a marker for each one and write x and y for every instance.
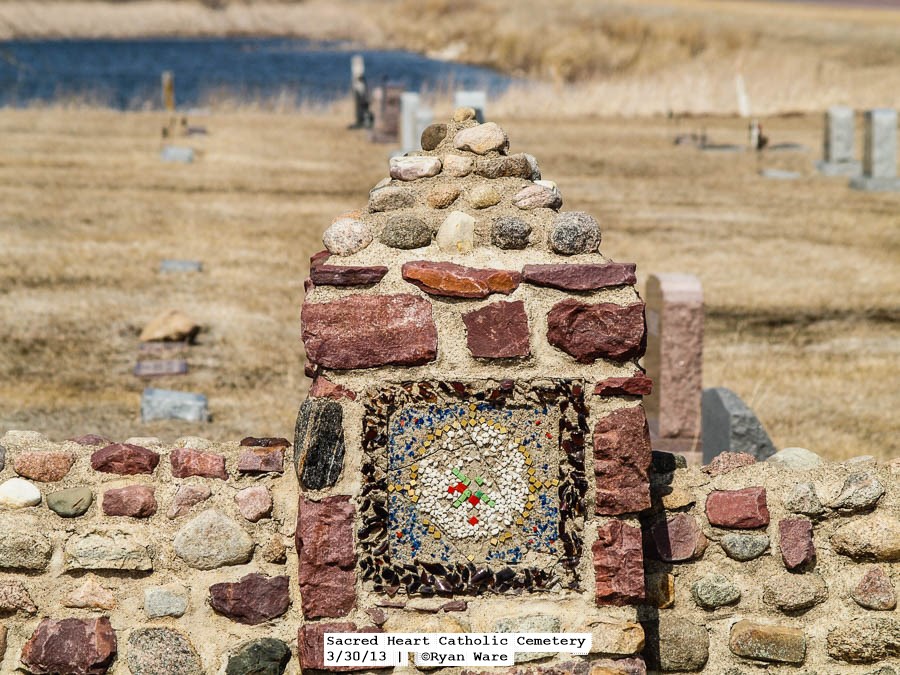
(125, 74)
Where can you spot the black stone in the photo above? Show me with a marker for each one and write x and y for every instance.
(666, 462)
(266, 656)
(319, 443)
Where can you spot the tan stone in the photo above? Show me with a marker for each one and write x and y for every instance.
(483, 196)
(457, 233)
(875, 537)
(464, 114)
(661, 590)
(170, 326)
(766, 642)
(677, 498)
(90, 595)
(442, 196)
(616, 638)
(458, 165)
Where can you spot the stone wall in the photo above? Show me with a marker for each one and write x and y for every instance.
(473, 457)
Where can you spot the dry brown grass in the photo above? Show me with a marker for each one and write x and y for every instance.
(801, 277)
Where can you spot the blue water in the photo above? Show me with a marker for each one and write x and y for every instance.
(125, 74)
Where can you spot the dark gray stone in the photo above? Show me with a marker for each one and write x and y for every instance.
(574, 232)
(432, 136)
(2, 457)
(161, 651)
(667, 462)
(744, 547)
(715, 590)
(406, 232)
(795, 592)
(510, 233)
(165, 404)
(70, 503)
(728, 424)
(266, 656)
(319, 443)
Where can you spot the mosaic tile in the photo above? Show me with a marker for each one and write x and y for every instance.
(471, 488)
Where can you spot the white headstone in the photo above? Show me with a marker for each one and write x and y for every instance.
(409, 122)
(838, 143)
(880, 153)
(472, 99)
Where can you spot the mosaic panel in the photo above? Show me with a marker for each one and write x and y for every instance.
(471, 488)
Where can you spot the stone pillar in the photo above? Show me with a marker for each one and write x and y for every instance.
(477, 100)
(838, 143)
(880, 153)
(475, 425)
(674, 362)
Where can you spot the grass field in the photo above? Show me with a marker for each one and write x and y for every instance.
(801, 277)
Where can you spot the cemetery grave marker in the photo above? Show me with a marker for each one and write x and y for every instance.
(880, 153)
(166, 404)
(160, 368)
(838, 144)
(180, 266)
(729, 425)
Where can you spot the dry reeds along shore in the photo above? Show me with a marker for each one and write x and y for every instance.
(801, 277)
(592, 56)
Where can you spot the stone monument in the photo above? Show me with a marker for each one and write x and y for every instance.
(839, 140)
(880, 153)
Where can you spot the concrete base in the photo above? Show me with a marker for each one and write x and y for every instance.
(875, 184)
(845, 169)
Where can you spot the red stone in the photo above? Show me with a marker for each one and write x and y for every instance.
(319, 258)
(124, 459)
(322, 387)
(636, 385)
(253, 600)
(679, 538)
(346, 275)
(728, 461)
(745, 509)
(457, 281)
(187, 462)
(366, 331)
(311, 645)
(136, 501)
(621, 462)
(327, 558)
(875, 591)
(499, 330)
(618, 564)
(265, 442)
(796, 542)
(261, 460)
(71, 646)
(90, 439)
(44, 467)
(590, 331)
(580, 277)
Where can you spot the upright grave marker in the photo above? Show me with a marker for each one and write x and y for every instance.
(880, 153)
(476, 99)
(360, 88)
(730, 425)
(386, 108)
(838, 143)
(674, 362)
(165, 404)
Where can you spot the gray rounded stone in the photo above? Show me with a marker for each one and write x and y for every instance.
(390, 198)
(797, 459)
(574, 232)
(714, 590)
(160, 601)
(803, 499)
(744, 547)
(70, 503)
(161, 651)
(510, 233)
(406, 232)
(861, 492)
(213, 540)
(346, 236)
